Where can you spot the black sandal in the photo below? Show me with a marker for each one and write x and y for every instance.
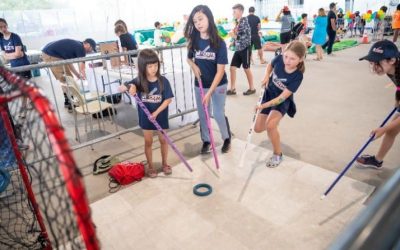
(249, 92)
(231, 92)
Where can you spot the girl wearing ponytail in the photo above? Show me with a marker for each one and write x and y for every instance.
(283, 75)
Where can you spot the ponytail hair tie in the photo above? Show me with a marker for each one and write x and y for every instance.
(398, 88)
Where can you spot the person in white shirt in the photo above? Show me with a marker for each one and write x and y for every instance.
(158, 34)
(158, 39)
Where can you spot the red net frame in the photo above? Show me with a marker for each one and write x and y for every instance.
(43, 203)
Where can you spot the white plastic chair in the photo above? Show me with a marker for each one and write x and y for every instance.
(80, 106)
(87, 95)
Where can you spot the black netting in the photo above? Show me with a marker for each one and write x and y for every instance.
(19, 223)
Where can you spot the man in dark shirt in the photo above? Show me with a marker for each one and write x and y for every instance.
(331, 28)
(255, 26)
(67, 49)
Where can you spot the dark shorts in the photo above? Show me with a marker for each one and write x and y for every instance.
(285, 37)
(256, 41)
(25, 74)
(162, 119)
(282, 108)
(241, 58)
(148, 125)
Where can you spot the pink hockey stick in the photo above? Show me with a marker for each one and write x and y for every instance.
(158, 127)
(210, 131)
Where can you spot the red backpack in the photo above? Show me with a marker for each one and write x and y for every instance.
(124, 173)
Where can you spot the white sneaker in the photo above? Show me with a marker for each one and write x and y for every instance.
(274, 161)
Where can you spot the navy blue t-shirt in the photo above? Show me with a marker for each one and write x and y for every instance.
(65, 49)
(128, 41)
(9, 47)
(254, 21)
(331, 15)
(152, 101)
(280, 80)
(207, 58)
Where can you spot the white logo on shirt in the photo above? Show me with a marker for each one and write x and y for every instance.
(152, 98)
(153, 91)
(279, 82)
(203, 54)
(8, 47)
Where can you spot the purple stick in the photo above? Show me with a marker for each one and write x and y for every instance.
(158, 127)
(210, 131)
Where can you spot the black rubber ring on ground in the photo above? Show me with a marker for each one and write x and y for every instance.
(202, 185)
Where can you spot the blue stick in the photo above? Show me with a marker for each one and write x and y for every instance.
(371, 138)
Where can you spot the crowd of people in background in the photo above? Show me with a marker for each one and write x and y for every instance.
(207, 57)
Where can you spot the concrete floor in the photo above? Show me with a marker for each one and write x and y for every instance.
(338, 104)
(251, 207)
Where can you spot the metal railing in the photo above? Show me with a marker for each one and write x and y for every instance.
(378, 225)
(104, 80)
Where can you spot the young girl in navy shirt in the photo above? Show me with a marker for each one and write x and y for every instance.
(207, 57)
(284, 75)
(155, 92)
